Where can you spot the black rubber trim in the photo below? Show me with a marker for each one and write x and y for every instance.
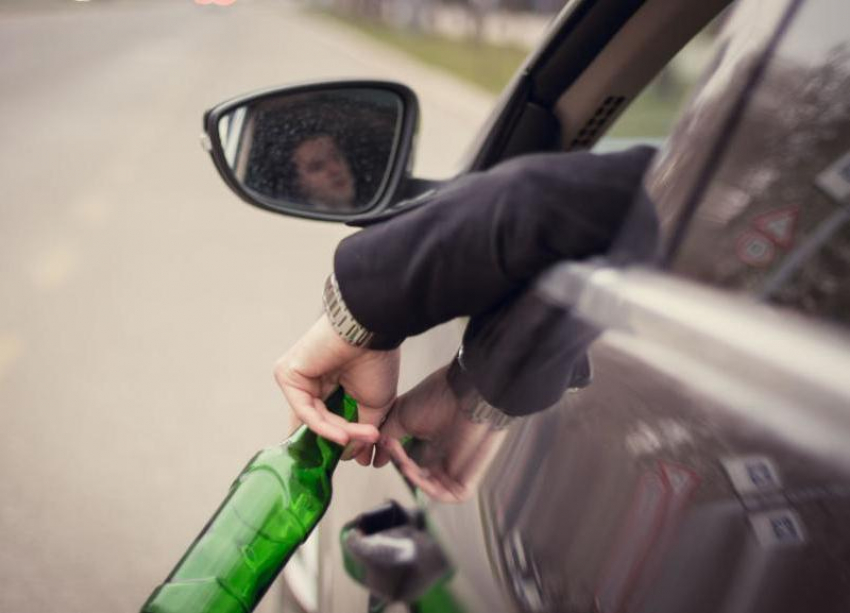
(547, 74)
(570, 52)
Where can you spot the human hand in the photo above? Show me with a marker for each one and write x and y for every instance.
(319, 362)
(454, 451)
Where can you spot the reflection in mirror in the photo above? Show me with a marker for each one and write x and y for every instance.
(327, 151)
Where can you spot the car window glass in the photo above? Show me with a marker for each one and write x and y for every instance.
(738, 47)
(775, 219)
(650, 117)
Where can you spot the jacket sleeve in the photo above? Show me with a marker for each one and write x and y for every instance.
(522, 355)
(480, 239)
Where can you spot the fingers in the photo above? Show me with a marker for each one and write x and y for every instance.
(455, 451)
(423, 412)
(382, 456)
(364, 458)
(316, 417)
(310, 370)
(372, 381)
(362, 447)
(358, 431)
(300, 394)
(361, 452)
(391, 432)
(450, 489)
(329, 425)
(402, 461)
(434, 482)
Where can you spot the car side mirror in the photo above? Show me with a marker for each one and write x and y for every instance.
(331, 151)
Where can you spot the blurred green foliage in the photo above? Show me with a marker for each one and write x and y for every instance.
(651, 114)
(491, 67)
(486, 65)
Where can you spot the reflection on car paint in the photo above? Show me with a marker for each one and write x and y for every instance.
(754, 474)
(779, 225)
(835, 180)
(524, 574)
(644, 439)
(770, 189)
(755, 249)
(781, 527)
(654, 514)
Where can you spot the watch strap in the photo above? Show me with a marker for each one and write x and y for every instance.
(472, 404)
(341, 319)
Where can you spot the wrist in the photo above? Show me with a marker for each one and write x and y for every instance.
(470, 402)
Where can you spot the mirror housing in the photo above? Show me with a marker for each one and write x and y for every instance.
(332, 151)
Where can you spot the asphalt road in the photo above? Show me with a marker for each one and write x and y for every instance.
(141, 304)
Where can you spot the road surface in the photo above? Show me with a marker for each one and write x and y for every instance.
(142, 305)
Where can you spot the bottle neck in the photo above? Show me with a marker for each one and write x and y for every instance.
(311, 449)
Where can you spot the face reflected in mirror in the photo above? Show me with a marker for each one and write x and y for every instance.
(324, 175)
(327, 151)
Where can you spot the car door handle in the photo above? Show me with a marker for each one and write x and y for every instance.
(388, 551)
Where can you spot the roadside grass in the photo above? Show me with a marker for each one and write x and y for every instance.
(486, 65)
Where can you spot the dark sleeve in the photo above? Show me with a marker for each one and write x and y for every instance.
(482, 237)
(522, 355)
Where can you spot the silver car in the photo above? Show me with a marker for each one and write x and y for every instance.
(704, 464)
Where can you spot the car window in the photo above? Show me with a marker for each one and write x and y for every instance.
(650, 117)
(738, 49)
(774, 220)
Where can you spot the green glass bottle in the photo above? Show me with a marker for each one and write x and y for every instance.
(271, 509)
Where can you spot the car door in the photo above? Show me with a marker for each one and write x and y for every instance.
(707, 467)
(597, 56)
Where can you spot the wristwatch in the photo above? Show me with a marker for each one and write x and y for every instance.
(342, 321)
(472, 404)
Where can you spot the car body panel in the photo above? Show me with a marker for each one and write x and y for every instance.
(707, 466)
(668, 462)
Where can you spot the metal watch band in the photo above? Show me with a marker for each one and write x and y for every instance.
(472, 404)
(342, 321)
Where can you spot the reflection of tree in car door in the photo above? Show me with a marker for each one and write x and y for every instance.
(755, 226)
